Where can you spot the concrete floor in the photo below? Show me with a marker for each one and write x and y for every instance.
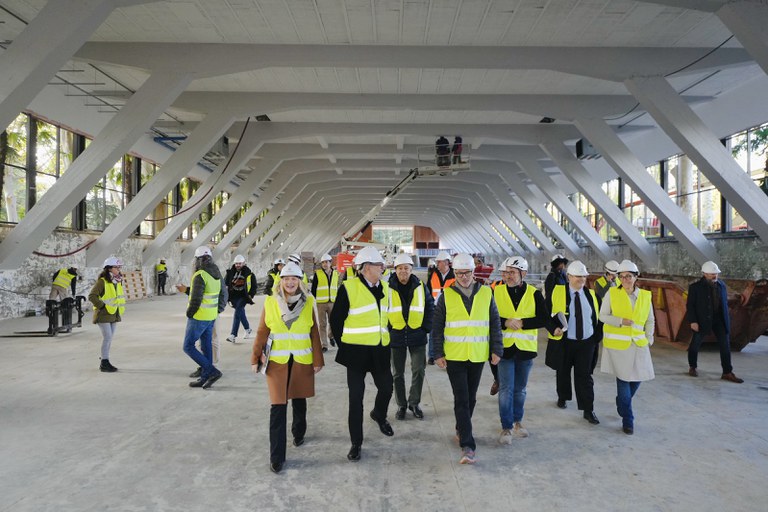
(75, 439)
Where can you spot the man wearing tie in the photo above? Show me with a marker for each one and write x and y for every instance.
(574, 346)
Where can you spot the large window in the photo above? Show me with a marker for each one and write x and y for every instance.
(402, 236)
(13, 165)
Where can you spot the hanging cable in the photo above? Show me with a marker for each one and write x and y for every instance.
(70, 253)
(189, 207)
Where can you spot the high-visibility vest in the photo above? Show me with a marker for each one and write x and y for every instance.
(209, 308)
(466, 335)
(603, 282)
(294, 341)
(558, 304)
(494, 284)
(64, 278)
(326, 292)
(160, 267)
(248, 283)
(350, 272)
(366, 322)
(620, 338)
(435, 284)
(113, 297)
(415, 310)
(524, 339)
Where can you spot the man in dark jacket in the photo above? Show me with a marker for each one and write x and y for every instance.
(556, 274)
(410, 319)
(707, 310)
(241, 287)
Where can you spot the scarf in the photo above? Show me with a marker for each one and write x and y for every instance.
(290, 307)
(116, 278)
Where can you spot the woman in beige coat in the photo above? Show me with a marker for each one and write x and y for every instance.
(108, 302)
(289, 321)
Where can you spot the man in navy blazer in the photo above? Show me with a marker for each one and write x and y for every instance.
(707, 311)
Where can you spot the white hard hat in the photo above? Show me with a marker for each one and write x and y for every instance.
(239, 259)
(442, 255)
(279, 261)
(368, 255)
(577, 268)
(611, 266)
(403, 259)
(326, 257)
(113, 261)
(516, 262)
(296, 258)
(463, 261)
(203, 250)
(291, 269)
(558, 257)
(628, 266)
(710, 267)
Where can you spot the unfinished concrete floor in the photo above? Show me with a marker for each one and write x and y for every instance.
(75, 439)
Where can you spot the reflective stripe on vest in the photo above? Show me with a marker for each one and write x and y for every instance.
(467, 334)
(558, 304)
(326, 292)
(435, 284)
(366, 323)
(525, 339)
(209, 307)
(294, 341)
(415, 310)
(620, 338)
(113, 298)
(63, 278)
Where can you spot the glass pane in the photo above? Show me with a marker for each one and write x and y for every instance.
(17, 142)
(14, 199)
(95, 204)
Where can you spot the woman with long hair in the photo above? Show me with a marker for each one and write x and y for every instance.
(108, 306)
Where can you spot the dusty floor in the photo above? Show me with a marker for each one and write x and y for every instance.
(75, 439)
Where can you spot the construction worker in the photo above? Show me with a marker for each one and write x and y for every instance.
(574, 333)
(410, 319)
(273, 276)
(296, 258)
(442, 277)
(325, 285)
(609, 279)
(557, 274)
(466, 327)
(162, 275)
(108, 302)
(63, 280)
(522, 311)
(359, 324)
(241, 287)
(207, 298)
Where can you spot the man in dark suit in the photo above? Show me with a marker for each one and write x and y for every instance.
(707, 311)
(575, 344)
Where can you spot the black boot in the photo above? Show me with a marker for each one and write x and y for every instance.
(106, 366)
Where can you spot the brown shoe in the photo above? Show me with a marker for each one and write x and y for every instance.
(692, 372)
(731, 377)
(494, 387)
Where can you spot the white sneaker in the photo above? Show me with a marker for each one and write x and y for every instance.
(467, 456)
(231, 339)
(505, 437)
(248, 333)
(519, 430)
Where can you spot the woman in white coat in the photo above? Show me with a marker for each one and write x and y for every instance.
(627, 312)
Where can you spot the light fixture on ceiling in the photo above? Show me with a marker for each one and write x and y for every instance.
(263, 117)
(547, 120)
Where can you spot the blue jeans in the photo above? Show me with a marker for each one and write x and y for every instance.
(624, 393)
(513, 379)
(239, 304)
(200, 330)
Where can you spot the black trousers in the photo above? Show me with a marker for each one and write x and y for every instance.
(161, 279)
(356, 383)
(723, 341)
(465, 379)
(278, 418)
(579, 356)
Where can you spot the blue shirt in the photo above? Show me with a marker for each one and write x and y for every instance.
(586, 312)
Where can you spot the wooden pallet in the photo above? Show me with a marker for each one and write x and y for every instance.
(133, 285)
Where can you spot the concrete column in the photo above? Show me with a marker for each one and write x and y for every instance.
(45, 45)
(700, 143)
(633, 172)
(580, 177)
(173, 170)
(685, 175)
(130, 123)
(747, 20)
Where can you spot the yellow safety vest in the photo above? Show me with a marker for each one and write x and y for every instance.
(415, 310)
(350, 272)
(366, 323)
(209, 308)
(558, 304)
(160, 267)
(603, 282)
(113, 298)
(620, 338)
(467, 335)
(525, 339)
(326, 292)
(294, 341)
(64, 278)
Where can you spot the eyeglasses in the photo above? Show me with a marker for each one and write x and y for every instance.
(463, 274)
(626, 276)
